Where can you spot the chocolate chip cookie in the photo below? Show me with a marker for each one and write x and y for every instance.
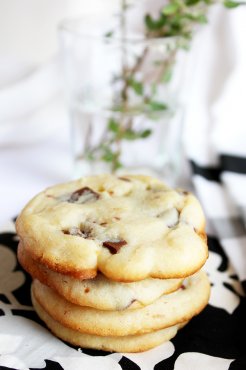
(100, 292)
(128, 228)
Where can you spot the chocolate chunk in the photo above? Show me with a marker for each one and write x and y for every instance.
(83, 195)
(114, 246)
(124, 179)
(87, 290)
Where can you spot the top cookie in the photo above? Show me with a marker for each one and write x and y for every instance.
(129, 228)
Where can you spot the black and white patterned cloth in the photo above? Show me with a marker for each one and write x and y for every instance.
(220, 191)
(213, 340)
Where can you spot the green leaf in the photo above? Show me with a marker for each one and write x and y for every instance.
(117, 164)
(157, 106)
(192, 2)
(109, 34)
(145, 133)
(130, 135)
(167, 75)
(108, 155)
(149, 22)
(155, 24)
(137, 86)
(170, 9)
(113, 125)
(200, 18)
(133, 135)
(231, 4)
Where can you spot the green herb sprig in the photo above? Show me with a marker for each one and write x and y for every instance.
(178, 19)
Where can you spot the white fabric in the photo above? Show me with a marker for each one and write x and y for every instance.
(215, 199)
(215, 88)
(28, 29)
(215, 125)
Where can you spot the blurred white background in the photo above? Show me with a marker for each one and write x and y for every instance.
(34, 130)
(28, 29)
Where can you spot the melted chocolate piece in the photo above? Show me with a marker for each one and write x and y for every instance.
(83, 195)
(114, 247)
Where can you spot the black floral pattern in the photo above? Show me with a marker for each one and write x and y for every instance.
(216, 332)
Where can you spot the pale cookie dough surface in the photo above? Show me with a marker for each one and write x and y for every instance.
(129, 228)
(168, 310)
(100, 292)
(130, 343)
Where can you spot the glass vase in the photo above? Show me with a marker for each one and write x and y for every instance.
(123, 97)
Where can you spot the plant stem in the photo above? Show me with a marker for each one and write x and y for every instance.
(124, 94)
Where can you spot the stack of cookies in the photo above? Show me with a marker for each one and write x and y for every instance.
(115, 260)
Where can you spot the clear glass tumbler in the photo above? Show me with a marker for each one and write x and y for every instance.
(122, 93)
